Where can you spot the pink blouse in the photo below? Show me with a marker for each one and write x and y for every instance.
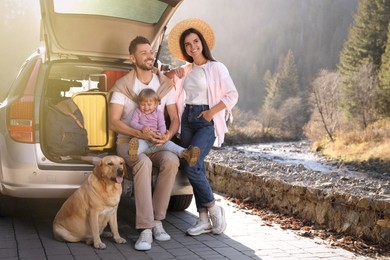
(220, 88)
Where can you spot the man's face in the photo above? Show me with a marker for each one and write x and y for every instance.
(143, 58)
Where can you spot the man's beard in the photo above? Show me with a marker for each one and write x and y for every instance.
(143, 66)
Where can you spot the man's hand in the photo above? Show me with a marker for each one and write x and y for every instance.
(150, 136)
(156, 137)
(146, 130)
(167, 136)
(163, 138)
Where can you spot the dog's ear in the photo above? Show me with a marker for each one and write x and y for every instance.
(97, 171)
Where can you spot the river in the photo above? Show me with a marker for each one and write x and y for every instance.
(289, 153)
(296, 153)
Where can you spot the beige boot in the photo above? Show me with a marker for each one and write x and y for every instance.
(133, 149)
(191, 155)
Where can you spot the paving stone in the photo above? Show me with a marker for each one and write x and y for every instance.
(28, 235)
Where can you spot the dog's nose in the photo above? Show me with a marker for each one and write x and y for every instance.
(119, 172)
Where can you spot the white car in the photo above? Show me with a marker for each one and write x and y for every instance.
(86, 50)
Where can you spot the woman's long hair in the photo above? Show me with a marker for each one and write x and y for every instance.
(206, 50)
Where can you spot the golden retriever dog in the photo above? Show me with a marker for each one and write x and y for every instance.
(85, 214)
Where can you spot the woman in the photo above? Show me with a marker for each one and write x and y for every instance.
(205, 91)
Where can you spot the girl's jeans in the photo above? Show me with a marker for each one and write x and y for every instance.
(198, 132)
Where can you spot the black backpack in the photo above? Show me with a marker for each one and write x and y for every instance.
(65, 132)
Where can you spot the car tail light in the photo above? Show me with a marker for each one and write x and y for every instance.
(21, 120)
(20, 114)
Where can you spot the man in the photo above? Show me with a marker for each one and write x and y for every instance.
(150, 208)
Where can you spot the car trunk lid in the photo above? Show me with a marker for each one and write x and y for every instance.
(99, 29)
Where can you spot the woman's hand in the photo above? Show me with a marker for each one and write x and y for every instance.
(207, 115)
(178, 72)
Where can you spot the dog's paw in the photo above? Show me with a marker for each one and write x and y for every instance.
(100, 245)
(120, 240)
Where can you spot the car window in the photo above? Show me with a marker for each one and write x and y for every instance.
(20, 83)
(147, 11)
(67, 79)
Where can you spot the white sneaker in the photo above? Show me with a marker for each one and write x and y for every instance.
(144, 241)
(218, 220)
(200, 228)
(159, 233)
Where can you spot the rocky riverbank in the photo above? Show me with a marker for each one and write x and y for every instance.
(350, 179)
(344, 201)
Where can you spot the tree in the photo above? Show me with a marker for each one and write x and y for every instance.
(360, 101)
(325, 96)
(367, 37)
(283, 84)
(271, 89)
(383, 103)
(292, 117)
(287, 80)
(384, 71)
(283, 106)
(365, 45)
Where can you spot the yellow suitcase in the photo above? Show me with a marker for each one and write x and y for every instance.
(94, 107)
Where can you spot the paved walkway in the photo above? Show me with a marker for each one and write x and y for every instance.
(247, 237)
(27, 234)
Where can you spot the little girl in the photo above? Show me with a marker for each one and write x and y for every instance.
(148, 118)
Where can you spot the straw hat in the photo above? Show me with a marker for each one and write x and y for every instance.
(179, 28)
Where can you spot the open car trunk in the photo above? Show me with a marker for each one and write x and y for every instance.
(76, 110)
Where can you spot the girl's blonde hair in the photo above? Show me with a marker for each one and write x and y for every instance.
(146, 94)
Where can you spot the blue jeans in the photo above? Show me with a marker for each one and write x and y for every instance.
(198, 132)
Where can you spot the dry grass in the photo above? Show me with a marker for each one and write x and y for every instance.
(253, 132)
(243, 135)
(372, 143)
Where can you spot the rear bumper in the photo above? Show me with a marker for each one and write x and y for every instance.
(20, 175)
(38, 191)
(31, 182)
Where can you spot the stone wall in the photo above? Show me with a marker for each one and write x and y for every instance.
(363, 217)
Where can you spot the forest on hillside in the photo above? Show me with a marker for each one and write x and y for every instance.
(351, 104)
(319, 69)
(344, 108)
(262, 33)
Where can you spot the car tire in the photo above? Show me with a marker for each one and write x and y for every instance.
(180, 202)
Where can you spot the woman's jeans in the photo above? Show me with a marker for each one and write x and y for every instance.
(198, 132)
